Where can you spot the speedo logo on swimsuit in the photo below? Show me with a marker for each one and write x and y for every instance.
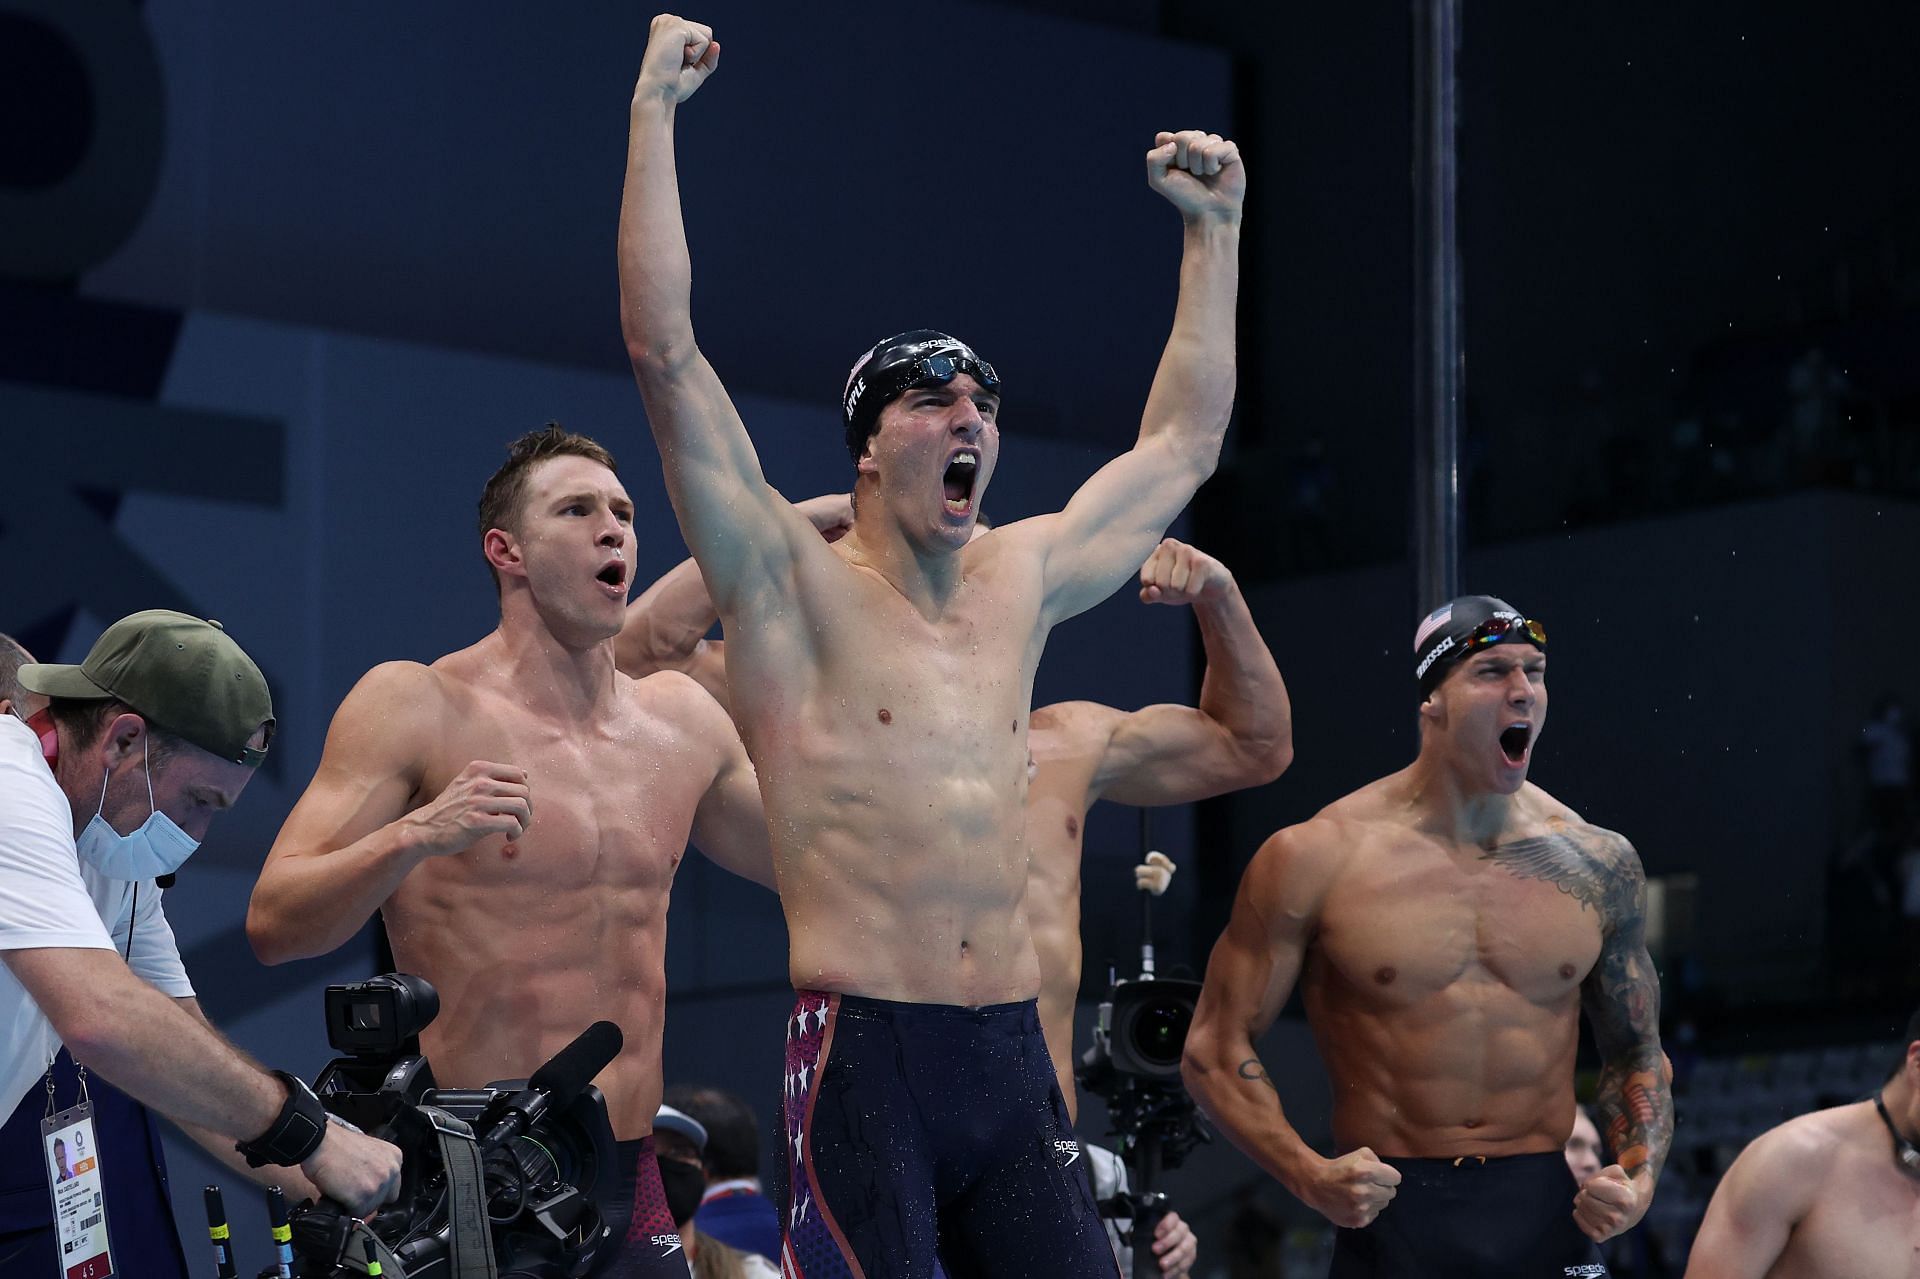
(668, 1244)
(1588, 1271)
(1071, 1149)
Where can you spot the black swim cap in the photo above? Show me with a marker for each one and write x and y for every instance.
(895, 366)
(1461, 627)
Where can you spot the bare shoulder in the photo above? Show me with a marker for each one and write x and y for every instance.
(1291, 873)
(1808, 1143)
(397, 696)
(1597, 867)
(1784, 1169)
(682, 702)
(669, 693)
(1012, 548)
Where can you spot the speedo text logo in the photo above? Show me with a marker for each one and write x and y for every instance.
(1071, 1149)
(1588, 1271)
(668, 1244)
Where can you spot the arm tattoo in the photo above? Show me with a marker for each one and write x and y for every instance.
(1600, 870)
(1252, 1069)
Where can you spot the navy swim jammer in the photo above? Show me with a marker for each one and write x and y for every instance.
(923, 1129)
(1472, 1218)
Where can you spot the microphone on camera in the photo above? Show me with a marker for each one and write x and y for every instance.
(555, 1085)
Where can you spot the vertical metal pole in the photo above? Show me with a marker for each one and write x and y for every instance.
(1438, 363)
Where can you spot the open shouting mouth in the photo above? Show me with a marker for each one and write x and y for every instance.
(613, 578)
(1516, 740)
(957, 481)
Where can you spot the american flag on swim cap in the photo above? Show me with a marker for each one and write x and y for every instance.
(1435, 620)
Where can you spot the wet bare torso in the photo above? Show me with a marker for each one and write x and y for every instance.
(1865, 1218)
(531, 941)
(1443, 984)
(891, 748)
(1058, 798)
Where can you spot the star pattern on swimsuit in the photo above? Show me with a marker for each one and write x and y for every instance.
(797, 1081)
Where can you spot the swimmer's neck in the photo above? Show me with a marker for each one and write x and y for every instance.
(1444, 804)
(550, 674)
(925, 573)
(1903, 1103)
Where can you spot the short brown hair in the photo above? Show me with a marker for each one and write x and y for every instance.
(500, 500)
(84, 723)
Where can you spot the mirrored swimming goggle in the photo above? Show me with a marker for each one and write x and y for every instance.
(1495, 630)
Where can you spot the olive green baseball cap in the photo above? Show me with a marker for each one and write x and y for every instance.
(183, 673)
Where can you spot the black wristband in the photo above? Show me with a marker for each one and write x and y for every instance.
(296, 1132)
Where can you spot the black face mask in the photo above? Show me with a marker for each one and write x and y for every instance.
(684, 1184)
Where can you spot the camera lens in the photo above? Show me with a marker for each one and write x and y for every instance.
(1160, 1031)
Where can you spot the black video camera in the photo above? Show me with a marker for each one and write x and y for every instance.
(507, 1170)
(1134, 1067)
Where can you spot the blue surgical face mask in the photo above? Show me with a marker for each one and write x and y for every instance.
(156, 849)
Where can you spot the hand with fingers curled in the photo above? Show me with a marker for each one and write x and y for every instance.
(485, 799)
(680, 56)
(1154, 874)
(1349, 1191)
(830, 513)
(1179, 574)
(1610, 1202)
(1200, 173)
(1174, 1246)
(357, 1171)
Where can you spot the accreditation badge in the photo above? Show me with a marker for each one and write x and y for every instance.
(79, 1194)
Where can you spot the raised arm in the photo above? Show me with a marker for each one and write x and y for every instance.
(361, 826)
(665, 629)
(730, 826)
(738, 528)
(1757, 1205)
(1252, 971)
(1240, 735)
(1634, 1098)
(1115, 519)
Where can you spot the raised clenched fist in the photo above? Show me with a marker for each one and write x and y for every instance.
(1352, 1190)
(1178, 574)
(1199, 172)
(485, 799)
(680, 56)
(1608, 1203)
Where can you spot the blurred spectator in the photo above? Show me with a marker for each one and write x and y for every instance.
(1173, 1240)
(1583, 1147)
(1635, 1254)
(679, 1141)
(735, 1210)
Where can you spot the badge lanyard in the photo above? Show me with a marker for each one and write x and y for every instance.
(70, 1147)
(72, 1154)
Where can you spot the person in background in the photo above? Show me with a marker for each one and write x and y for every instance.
(680, 1143)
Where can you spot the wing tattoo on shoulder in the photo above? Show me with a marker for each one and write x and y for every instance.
(1583, 862)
